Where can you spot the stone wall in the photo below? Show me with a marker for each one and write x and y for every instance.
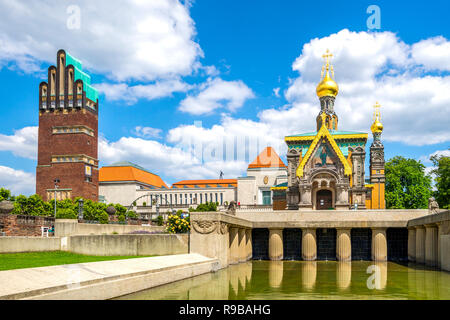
(101, 245)
(29, 244)
(23, 225)
(129, 245)
(70, 227)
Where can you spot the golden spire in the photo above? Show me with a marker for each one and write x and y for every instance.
(377, 126)
(327, 86)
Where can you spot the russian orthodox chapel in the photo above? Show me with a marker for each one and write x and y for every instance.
(326, 167)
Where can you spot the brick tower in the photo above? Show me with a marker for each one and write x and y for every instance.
(68, 133)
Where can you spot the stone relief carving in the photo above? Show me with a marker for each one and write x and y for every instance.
(207, 227)
(204, 227)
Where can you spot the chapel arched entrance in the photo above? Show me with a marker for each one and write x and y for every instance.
(324, 199)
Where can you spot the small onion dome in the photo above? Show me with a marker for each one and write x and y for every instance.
(327, 87)
(377, 126)
(111, 210)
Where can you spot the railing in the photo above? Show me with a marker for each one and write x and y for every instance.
(254, 207)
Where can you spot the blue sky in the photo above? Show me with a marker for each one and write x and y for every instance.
(240, 68)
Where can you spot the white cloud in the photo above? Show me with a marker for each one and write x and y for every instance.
(22, 143)
(371, 67)
(433, 54)
(18, 181)
(177, 162)
(148, 132)
(217, 93)
(131, 94)
(133, 39)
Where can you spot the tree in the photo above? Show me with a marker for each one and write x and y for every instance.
(442, 179)
(32, 206)
(5, 194)
(407, 185)
(205, 207)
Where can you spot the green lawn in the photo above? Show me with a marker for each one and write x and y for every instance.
(9, 261)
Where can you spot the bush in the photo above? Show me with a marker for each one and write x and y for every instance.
(160, 220)
(66, 213)
(205, 207)
(95, 211)
(5, 194)
(32, 206)
(177, 225)
(131, 214)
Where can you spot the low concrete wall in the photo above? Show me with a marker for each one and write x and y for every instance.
(70, 227)
(130, 245)
(29, 244)
(103, 245)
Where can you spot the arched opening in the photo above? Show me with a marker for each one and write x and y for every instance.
(324, 199)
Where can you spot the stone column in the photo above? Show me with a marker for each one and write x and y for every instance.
(309, 246)
(343, 245)
(431, 246)
(276, 244)
(439, 226)
(242, 245)
(234, 246)
(420, 244)
(249, 246)
(411, 244)
(379, 244)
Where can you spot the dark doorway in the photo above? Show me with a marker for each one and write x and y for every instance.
(326, 244)
(260, 243)
(361, 239)
(292, 244)
(324, 200)
(397, 244)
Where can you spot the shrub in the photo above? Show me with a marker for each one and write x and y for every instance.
(160, 220)
(177, 225)
(131, 214)
(66, 213)
(33, 206)
(205, 207)
(95, 211)
(5, 194)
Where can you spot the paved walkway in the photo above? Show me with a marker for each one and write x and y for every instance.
(101, 280)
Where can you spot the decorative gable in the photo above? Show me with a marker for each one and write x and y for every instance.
(325, 134)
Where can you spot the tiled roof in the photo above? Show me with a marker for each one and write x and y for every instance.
(268, 158)
(211, 183)
(127, 171)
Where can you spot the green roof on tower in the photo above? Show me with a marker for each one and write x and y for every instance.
(91, 92)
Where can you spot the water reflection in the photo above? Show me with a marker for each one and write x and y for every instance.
(309, 274)
(309, 280)
(343, 274)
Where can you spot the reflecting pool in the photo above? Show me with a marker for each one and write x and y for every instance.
(308, 280)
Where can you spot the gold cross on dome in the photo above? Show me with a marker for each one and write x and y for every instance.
(327, 56)
(376, 113)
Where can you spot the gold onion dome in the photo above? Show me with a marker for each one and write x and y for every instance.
(377, 126)
(327, 86)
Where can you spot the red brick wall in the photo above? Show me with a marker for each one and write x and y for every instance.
(71, 175)
(22, 225)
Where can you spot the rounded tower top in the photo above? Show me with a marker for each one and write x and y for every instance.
(327, 86)
(377, 126)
